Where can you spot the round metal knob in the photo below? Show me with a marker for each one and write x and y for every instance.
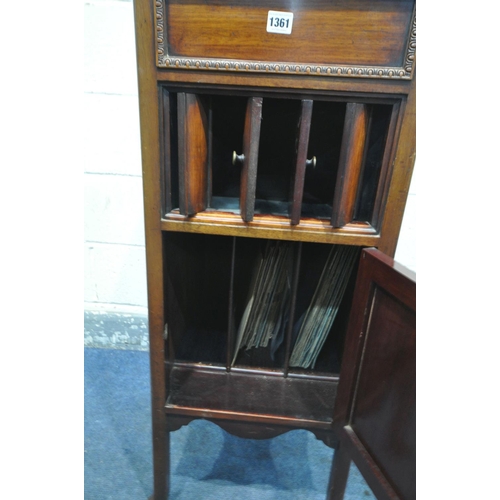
(311, 162)
(237, 158)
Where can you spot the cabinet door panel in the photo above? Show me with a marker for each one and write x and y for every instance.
(375, 406)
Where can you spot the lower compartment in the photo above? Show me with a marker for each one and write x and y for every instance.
(257, 304)
(213, 392)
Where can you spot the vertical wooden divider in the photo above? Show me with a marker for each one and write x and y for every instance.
(173, 324)
(386, 162)
(368, 128)
(210, 155)
(251, 136)
(301, 158)
(230, 320)
(293, 302)
(166, 167)
(354, 139)
(193, 154)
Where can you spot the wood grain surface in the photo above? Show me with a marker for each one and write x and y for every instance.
(359, 32)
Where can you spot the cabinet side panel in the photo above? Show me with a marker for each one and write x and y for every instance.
(150, 139)
(400, 181)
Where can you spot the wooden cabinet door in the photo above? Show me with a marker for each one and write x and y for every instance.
(375, 406)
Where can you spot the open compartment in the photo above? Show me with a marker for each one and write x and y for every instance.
(299, 159)
(227, 129)
(197, 284)
(169, 150)
(381, 117)
(290, 301)
(218, 142)
(327, 274)
(263, 271)
(277, 155)
(363, 163)
(325, 139)
(210, 283)
(243, 302)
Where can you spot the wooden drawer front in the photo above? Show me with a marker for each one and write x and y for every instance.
(345, 37)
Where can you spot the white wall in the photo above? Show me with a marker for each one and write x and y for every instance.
(406, 251)
(115, 271)
(114, 228)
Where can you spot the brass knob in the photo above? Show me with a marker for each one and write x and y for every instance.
(311, 162)
(237, 158)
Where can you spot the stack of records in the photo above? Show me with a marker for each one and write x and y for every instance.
(267, 307)
(315, 324)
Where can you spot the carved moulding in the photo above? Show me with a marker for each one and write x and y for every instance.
(163, 60)
(249, 430)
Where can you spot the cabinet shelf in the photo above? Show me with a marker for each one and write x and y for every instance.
(264, 226)
(212, 392)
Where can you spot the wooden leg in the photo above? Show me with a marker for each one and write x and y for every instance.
(339, 474)
(161, 463)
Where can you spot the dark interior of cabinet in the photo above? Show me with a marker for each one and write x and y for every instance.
(277, 154)
(325, 140)
(380, 117)
(227, 121)
(277, 146)
(208, 284)
(197, 279)
(170, 150)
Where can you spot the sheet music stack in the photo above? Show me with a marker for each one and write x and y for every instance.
(267, 309)
(315, 324)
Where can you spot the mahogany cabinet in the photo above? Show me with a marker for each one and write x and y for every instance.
(278, 142)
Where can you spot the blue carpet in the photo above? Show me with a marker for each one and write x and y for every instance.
(207, 463)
